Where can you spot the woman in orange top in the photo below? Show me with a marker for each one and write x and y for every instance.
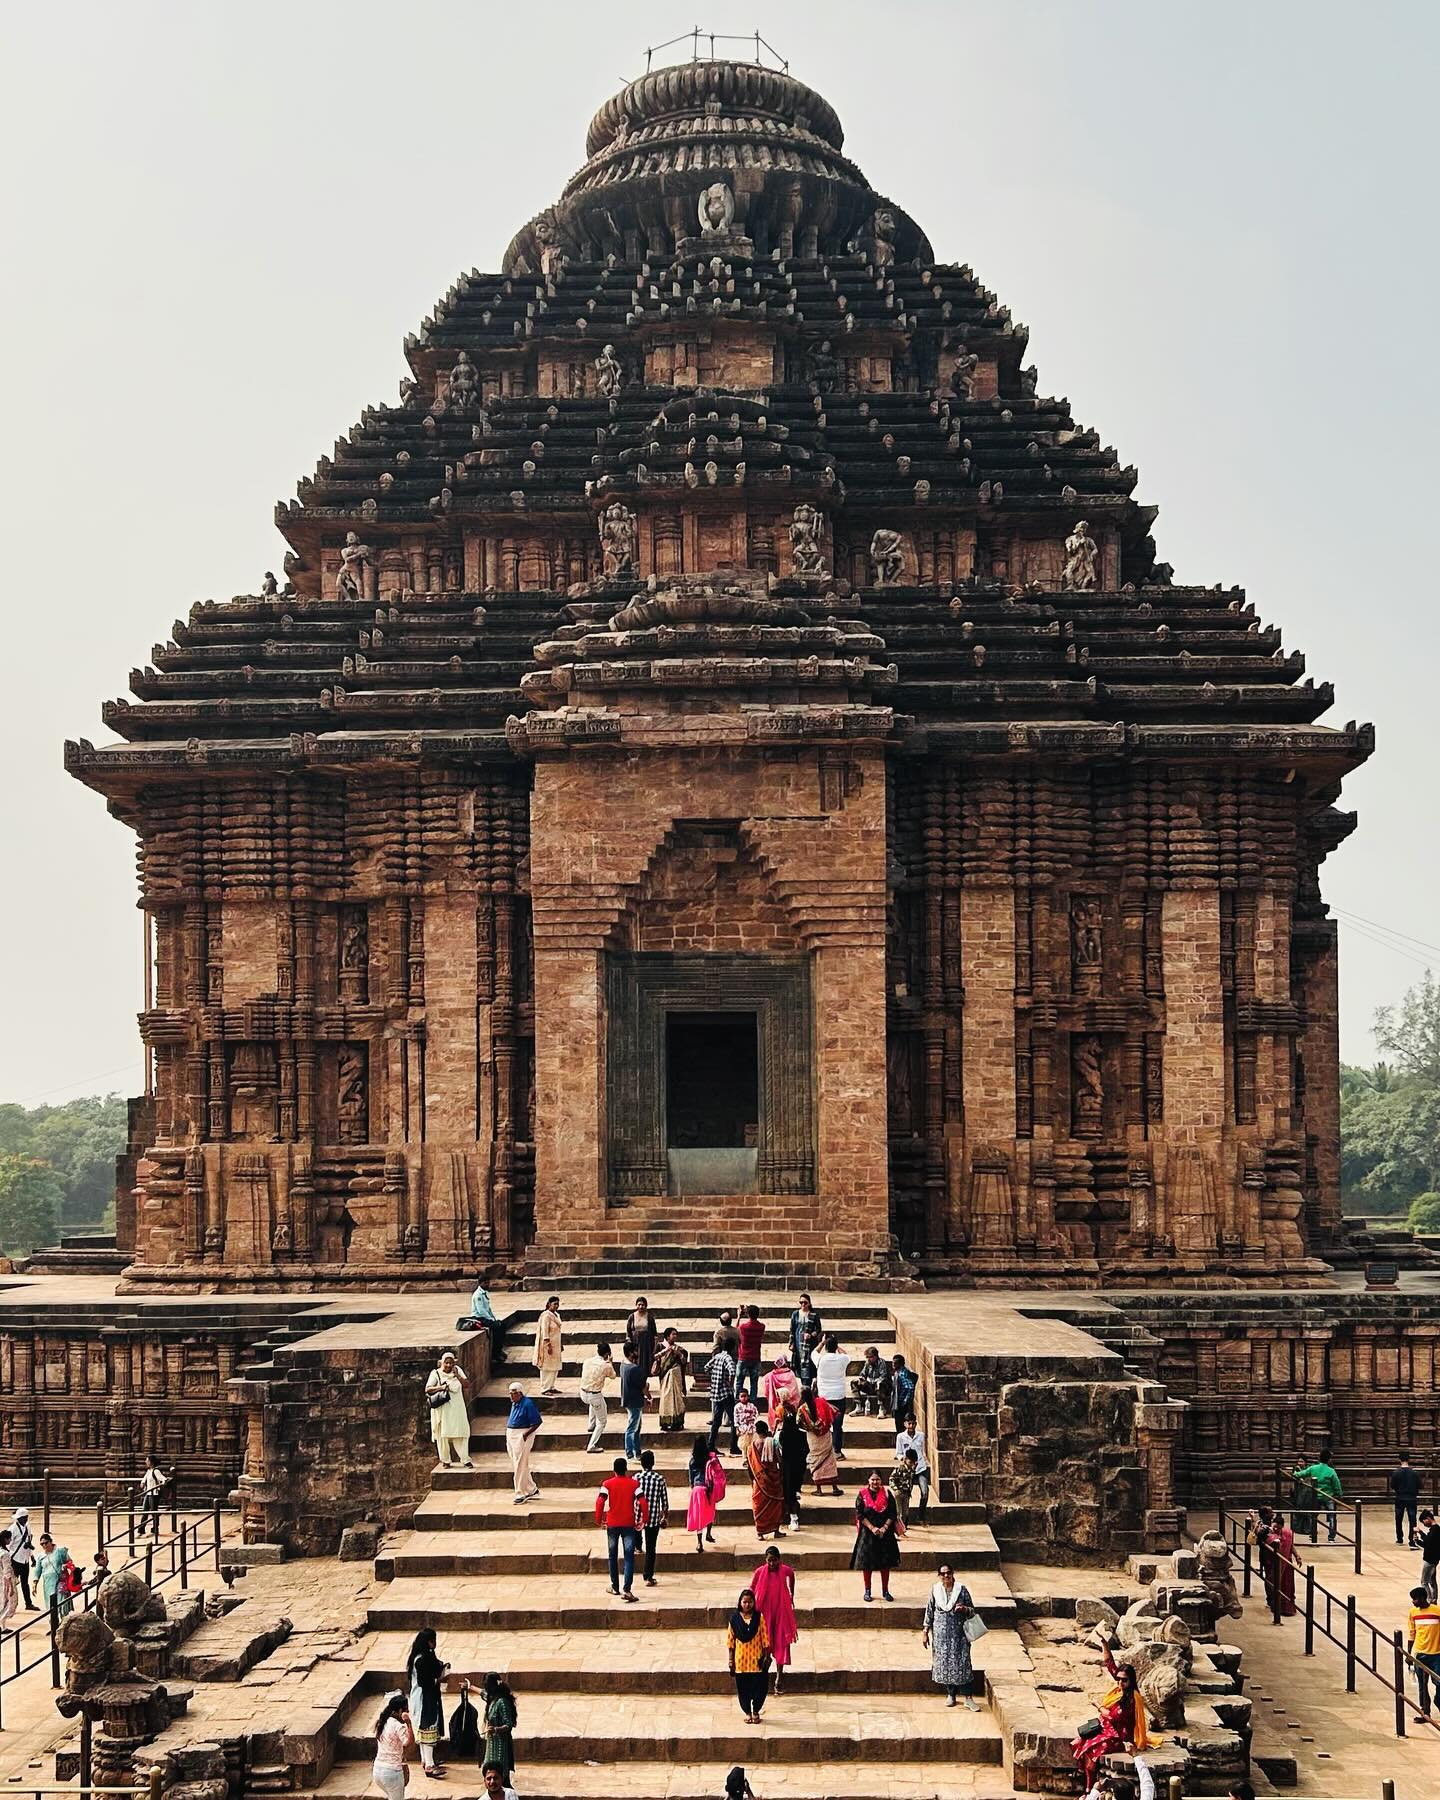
(748, 1643)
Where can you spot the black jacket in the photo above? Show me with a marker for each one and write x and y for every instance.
(1405, 1484)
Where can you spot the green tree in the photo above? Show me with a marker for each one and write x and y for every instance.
(80, 1142)
(1425, 1213)
(1410, 1032)
(1392, 1142)
(30, 1192)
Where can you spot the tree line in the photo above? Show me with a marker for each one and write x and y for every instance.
(1390, 1115)
(57, 1169)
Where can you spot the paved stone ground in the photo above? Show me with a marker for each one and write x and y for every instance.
(1344, 1744)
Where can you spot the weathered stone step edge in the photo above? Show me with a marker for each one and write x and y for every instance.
(412, 1564)
(731, 1513)
(843, 1780)
(998, 1613)
(746, 1746)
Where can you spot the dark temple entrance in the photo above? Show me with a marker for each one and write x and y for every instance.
(709, 1085)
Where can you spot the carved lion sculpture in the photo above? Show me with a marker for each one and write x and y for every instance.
(125, 1603)
(1213, 1555)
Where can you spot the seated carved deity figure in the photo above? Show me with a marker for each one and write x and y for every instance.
(887, 556)
(717, 210)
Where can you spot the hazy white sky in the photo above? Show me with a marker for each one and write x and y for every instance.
(1217, 218)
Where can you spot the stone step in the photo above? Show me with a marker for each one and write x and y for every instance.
(699, 1309)
(702, 1595)
(491, 1509)
(566, 1398)
(565, 1425)
(573, 1468)
(583, 1552)
(571, 1726)
(690, 1659)
(886, 1779)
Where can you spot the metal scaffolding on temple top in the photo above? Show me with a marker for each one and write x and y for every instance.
(695, 37)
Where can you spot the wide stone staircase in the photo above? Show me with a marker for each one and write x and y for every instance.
(636, 1699)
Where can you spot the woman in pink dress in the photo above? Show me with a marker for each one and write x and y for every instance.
(781, 1387)
(773, 1585)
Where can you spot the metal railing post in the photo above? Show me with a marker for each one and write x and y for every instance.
(99, 1524)
(1223, 1524)
(55, 1640)
(45, 1492)
(217, 1535)
(1309, 1610)
(130, 1523)
(1399, 1685)
(1359, 1532)
(1387, 1790)
(155, 1783)
(1274, 1596)
(85, 1758)
(1349, 1643)
(1245, 1590)
(149, 1563)
(184, 1563)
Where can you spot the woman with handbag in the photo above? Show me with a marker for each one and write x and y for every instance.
(748, 1643)
(393, 1737)
(449, 1413)
(950, 1621)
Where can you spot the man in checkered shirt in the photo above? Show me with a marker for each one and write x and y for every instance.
(651, 1484)
(721, 1369)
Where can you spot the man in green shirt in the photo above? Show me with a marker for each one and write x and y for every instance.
(1320, 1478)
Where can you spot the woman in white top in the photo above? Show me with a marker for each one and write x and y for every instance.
(9, 1598)
(393, 1737)
(450, 1417)
(912, 1438)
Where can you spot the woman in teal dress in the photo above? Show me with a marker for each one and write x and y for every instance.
(53, 1558)
(501, 1717)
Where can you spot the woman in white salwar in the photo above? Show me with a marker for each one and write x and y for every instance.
(450, 1415)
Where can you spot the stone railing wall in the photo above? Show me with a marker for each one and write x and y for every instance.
(337, 1433)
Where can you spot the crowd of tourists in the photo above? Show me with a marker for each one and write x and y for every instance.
(780, 1411)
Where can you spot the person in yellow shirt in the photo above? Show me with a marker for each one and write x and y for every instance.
(1425, 1641)
(748, 1643)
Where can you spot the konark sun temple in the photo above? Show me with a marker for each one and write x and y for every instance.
(725, 796)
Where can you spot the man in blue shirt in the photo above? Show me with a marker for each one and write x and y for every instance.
(633, 1392)
(520, 1428)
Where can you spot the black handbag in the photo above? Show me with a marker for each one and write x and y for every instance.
(437, 1397)
(1090, 1729)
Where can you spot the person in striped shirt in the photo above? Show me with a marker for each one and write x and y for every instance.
(721, 1370)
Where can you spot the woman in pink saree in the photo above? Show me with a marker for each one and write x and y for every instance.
(781, 1387)
(773, 1584)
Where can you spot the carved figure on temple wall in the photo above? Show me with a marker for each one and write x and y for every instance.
(1086, 941)
(821, 366)
(1029, 380)
(716, 210)
(1088, 1087)
(882, 250)
(351, 1100)
(887, 556)
(552, 257)
(462, 386)
(1082, 559)
(609, 376)
(354, 562)
(617, 539)
(354, 953)
(269, 586)
(962, 376)
(807, 554)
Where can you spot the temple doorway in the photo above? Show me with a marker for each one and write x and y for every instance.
(712, 1101)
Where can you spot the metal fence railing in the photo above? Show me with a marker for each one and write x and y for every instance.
(192, 1541)
(1366, 1646)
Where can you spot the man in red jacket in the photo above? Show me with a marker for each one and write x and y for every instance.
(622, 1509)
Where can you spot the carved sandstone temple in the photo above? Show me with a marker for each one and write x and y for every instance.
(725, 732)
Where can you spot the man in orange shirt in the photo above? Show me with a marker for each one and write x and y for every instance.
(1425, 1640)
(622, 1509)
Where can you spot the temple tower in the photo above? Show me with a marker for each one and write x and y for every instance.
(727, 780)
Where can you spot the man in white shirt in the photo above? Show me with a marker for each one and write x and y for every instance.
(832, 1383)
(595, 1371)
(151, 1483)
